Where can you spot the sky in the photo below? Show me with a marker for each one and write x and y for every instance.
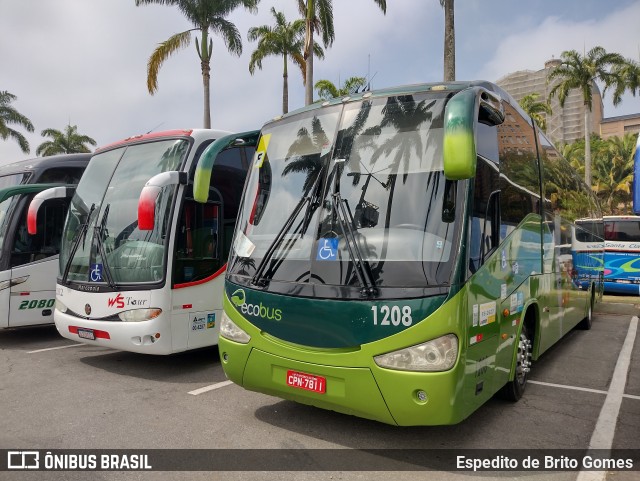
(83, 62)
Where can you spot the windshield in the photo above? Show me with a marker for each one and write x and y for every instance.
(102, 222)
(5, 217)
(12, 180)
(348, 193)
(627, 230)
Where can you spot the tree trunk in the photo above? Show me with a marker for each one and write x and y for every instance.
(285, 88)
(206, 68)
(308, 52)
(587, 145)
(308, 81)
(449, 42)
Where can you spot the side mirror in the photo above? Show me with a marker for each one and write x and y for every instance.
(63, 192)
(149, 196)
(202, 177)
(462, 114)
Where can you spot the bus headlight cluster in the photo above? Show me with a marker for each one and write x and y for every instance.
(436, 355)
(137, 315)
(60, 306)
(230, 330)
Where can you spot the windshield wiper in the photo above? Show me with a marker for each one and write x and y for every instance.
(361, 266)
(98, 233)
(258, 278)
(80, 234)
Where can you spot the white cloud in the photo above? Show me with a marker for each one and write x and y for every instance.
(531, 47)
(84, 62)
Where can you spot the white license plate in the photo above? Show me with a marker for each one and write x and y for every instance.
(86, 334)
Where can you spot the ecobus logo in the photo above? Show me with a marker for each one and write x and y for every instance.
(239, 299)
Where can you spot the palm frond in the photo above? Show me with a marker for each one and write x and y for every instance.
(162, 53)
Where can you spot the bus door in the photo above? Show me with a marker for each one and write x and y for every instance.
(202, 243)
(197, 265)
(34, 263)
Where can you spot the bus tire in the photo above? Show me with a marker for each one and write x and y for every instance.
(513, 390)
(586, 323)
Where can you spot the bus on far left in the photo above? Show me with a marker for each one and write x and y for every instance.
(29, 263)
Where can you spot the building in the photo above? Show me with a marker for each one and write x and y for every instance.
(566, 124)
(619, 126)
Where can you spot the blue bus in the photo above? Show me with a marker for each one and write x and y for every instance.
(622, 254)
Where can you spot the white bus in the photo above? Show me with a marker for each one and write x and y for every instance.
(141, 261)
(28, 264)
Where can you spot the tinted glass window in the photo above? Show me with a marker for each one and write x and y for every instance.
(484, 229)
(50, 222)
(61, 175)
(628, 231)
(11, 180)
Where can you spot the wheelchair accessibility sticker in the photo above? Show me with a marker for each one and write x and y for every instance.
(95, 273)
(327, 249)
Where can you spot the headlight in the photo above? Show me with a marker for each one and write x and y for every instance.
(60, 306)
(137, 315)
(230, 330)
(436, 355)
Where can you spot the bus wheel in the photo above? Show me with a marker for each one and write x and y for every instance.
(588, 319)
(513, 390)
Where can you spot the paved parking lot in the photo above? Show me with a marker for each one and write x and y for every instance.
(56, 394)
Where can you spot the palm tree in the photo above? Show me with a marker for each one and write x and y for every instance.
(581, 72)
(8, 116)
(574, 154)
(286, 39)
(67, 142)
(318, 15)
(449, 41)
(613, 171)
(537, 110)
(328, 90)
(628, 75)
(205, 15)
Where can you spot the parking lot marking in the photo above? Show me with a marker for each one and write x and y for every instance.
(602, 437)
(563, 386)
(631, 396)
(54, 348)
(210, 388)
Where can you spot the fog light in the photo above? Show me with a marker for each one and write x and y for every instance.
(225, 356)
(422, 396)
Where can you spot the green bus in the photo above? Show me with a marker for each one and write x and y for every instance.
(397, 254)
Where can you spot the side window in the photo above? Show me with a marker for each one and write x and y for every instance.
(484, 232)
(61, 175)
(519, 170)
(50, 223)
(204, 232)
(227, 178)
(197, 241)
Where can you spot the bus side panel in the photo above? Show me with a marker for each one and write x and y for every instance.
(33, 301)
(4, 300)
(622, 269)
(202, 305)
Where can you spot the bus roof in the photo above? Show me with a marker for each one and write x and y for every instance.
(24, 189)
(176, 133)
(621, 218)
(453, 87)
(40, 163)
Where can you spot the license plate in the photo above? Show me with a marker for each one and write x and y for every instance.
(308, 382)
(86, 334)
